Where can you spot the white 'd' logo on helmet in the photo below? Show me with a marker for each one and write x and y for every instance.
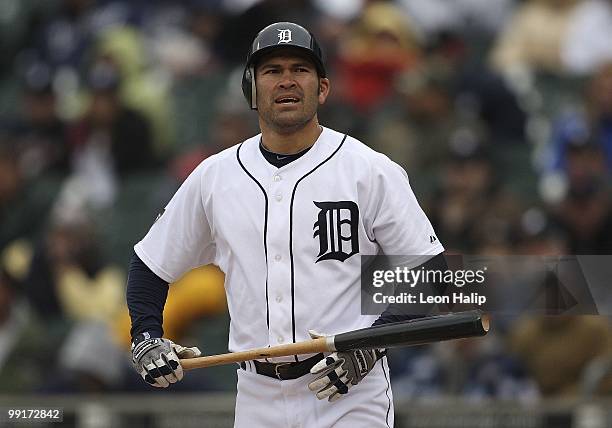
(284, 36)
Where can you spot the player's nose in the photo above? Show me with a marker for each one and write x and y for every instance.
(287, 80)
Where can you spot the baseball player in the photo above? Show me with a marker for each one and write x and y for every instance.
(286, 215)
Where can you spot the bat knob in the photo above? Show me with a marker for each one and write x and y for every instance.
(485, 321)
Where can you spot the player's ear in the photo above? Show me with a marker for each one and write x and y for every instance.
(324, 87)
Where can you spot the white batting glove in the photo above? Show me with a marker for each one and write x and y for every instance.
(339, 371)
(157, 360)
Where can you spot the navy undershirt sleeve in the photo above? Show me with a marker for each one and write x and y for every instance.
(397, 312)
(146, 296)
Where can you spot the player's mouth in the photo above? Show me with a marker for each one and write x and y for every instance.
(287, 100)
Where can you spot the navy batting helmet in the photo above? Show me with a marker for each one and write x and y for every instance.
(276, 36)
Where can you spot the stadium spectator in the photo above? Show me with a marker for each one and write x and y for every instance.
(436, 17)
(471, 368)
(543, 344)
(10, 187)
(418, 374)
(69, 277)
(472, 207)
(539, 235)
(481, 370)
(533, 38)
(419, 110)
(22, 203)
(110, 132)
(377, 48)
(588, 125)
(143, 86)
(182, 42)
(587, 45)
(27, 345)
(88, 361)
(586, 215)
(63, 38)
(40, 133)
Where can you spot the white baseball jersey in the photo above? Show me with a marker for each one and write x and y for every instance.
(289, 239)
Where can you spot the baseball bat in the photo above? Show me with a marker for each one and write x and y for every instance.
(418, 331)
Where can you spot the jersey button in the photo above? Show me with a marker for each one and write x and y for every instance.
(279, 298)
(277, 178)
(280, 339)
(277, 257)
(279, 197)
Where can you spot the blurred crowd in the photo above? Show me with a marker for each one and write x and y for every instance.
(499, 110)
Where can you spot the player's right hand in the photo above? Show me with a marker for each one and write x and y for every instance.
(158, 360)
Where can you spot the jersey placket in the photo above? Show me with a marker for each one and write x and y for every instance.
(279, 268)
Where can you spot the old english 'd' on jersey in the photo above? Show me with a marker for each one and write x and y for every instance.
(289, 239)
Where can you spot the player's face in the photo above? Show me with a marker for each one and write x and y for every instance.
(289, 91)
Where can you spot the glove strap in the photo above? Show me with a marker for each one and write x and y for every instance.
(146, 335)
(379, 353)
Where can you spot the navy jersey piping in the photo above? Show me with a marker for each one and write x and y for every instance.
(265, 231)
(386, 390)
(291, 238)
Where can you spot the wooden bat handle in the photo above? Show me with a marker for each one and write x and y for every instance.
(313, 346)
(404, 333)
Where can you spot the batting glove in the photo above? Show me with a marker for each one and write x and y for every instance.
(157, 359)
(339, 371)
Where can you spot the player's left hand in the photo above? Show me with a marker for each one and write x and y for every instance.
(339, 371)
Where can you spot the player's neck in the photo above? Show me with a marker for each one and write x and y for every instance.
(290, 142)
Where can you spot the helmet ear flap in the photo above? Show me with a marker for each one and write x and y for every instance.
(253, 88)
(248, 87)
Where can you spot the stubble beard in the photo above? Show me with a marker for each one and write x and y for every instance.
(288, 122)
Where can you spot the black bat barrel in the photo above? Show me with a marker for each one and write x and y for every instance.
(418, 331)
